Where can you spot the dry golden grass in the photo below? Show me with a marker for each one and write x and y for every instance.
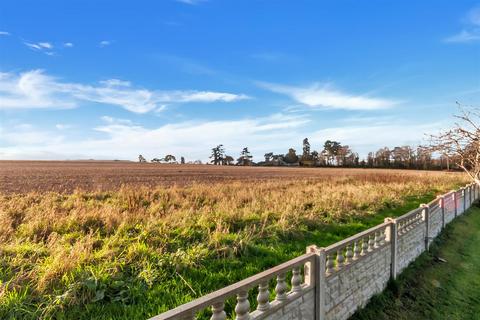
(61, 251)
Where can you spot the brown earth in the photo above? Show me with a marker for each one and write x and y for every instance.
(67, 176)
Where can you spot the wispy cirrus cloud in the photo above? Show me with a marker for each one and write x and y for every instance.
(464, 36)
(471, 32)
(191, 2)
(44, 47)
(326, 96)
(68, 45)
(36, 89)
(31, 90)
(4, 33)
(104, 43)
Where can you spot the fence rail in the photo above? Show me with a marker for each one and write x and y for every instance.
(333, 282)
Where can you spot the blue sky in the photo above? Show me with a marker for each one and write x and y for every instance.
(113, 79)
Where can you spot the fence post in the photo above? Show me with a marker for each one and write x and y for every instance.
(442, 206)
(426, 218)
(470, 196)
(464, 199)
(466, 202)
(455, 201)
(392, 237)
(321, 268)
(318, 276)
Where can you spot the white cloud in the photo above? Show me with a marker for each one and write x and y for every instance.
(31, 90)
(464, 36)
(104, 43)
(328, 97)
(112, 120)
(202, 96)
(116, 83)
(472, 31)
(68, 44)
(376, 134)
(33, 46)
(191, 2)
(27, 136)
(44, 47)
(192, 139)
(4, 33)
(35, 89)
(61, 126)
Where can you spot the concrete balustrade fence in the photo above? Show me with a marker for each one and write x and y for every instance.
(333, 282)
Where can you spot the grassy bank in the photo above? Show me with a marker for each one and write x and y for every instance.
(136, 252)
(435, 289)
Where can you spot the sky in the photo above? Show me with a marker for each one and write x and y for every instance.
(115, 79)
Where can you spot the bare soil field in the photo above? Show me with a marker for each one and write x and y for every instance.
(67, 176)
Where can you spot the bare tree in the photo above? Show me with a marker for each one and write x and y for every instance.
(461, 144)
(141, 158)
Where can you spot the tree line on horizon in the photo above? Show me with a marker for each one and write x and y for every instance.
(333, 154)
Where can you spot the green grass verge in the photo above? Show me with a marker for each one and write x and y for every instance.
(432, 289)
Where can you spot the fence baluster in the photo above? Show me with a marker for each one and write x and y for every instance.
(263, 297)
(296, 280)
(365, 245)
(349, 254)
(340, 258)
(371, 243)
(376, 239)
(218, 312)
(357, 250)
(281, 288)
(329, 263)
(242, 309)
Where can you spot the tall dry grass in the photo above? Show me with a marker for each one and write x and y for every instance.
(64, 250)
